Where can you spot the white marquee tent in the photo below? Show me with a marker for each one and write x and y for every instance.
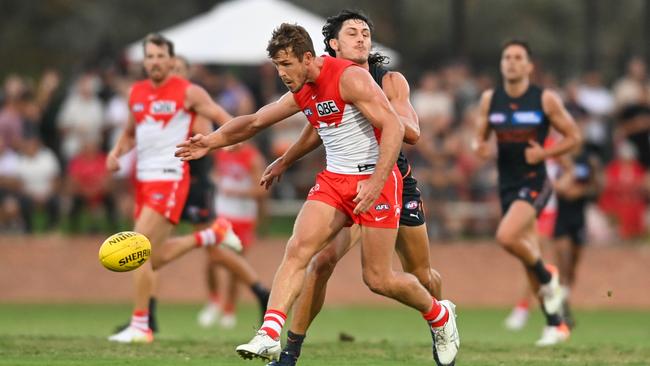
(237, 32)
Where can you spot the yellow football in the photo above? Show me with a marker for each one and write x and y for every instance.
(124, 251)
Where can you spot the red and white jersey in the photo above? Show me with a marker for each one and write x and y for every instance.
(351, 142)
(235, 173)
(162, 122)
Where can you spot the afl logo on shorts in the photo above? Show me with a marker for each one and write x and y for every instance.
(411, 205)
(382, 207)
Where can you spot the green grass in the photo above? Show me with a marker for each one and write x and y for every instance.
(75, 335)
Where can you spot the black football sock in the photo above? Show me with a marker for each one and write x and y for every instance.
(294, 343)
(153, 322)
(540, 271)
(552, 319)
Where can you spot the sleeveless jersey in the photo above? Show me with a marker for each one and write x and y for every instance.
(515, 121)
(162, 122)
(377, 72)
(351, 142)
(234, 170)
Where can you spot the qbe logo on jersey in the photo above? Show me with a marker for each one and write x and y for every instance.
(326, 108)
(163, 107)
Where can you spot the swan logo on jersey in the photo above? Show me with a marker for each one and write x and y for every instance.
(326, 108)
(527, 117)
(163, 107)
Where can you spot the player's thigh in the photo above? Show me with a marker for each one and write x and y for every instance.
(518, 222)
(412, 247)
(377, 246)
(316, 225)
(154, 226)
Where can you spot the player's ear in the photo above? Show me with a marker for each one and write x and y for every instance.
(307, 57)
(334, 43)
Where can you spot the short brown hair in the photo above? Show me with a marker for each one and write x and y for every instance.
(159, 40)
(290, 37)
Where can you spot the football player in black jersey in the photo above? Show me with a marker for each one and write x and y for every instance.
(347, 35)
(521, 114)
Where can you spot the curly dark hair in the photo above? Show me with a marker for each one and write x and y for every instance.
(290, 37)
(333, 26)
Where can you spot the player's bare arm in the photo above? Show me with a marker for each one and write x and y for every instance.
(398, 92)
(238, 129)
(482, 132)
(562, 121)
(357, 87)
(124, 144)
(199, 101)
(306, 143)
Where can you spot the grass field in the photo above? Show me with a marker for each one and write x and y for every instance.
(75, 335)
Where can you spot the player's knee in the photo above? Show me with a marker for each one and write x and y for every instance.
(376, 282)
(506, 238)
(323, 264)
(298, 252)
(424, 276)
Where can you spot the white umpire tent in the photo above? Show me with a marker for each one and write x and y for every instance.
(237, 32)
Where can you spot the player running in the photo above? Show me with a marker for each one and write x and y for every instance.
(361, 183)
(348, 35)
(163, 110)
(520, 114)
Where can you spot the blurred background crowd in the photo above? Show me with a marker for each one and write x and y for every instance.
(57, 124)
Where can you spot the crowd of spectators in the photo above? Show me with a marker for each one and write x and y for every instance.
(54, 136)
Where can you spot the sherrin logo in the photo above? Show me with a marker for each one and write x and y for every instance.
(139, 256)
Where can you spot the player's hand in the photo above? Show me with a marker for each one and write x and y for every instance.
(367, 193)
(534, 152)
(193, 148)
(481, 149)
(112, 163)
(272, 172)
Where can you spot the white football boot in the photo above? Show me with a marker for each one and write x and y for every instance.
(551, 293)
(223, 228)
(552, 335)
(209, 315)
(228, 321)
(261, 346)
(132, 334)
(446, 340)
(517, 319)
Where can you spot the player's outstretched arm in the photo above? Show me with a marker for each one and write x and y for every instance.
(238, 129)
(482, 132)
(306, 143)
(562, 121)
(398, 93)
(357, 87)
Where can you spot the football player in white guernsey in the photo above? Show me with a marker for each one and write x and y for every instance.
(292, 52)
